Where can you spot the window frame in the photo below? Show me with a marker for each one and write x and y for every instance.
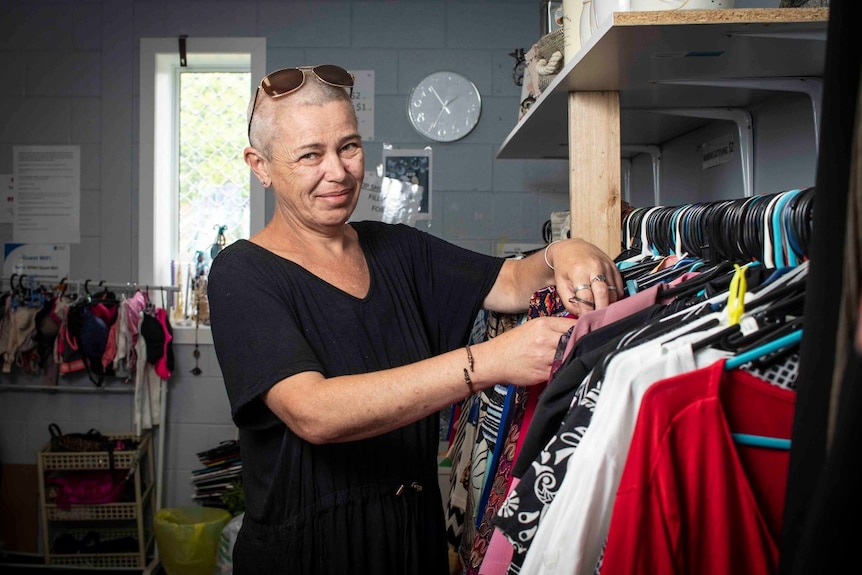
(159, 63)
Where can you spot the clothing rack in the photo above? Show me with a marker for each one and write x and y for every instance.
(771, 228)
(82, 285)
(85, 284)
(79, 286)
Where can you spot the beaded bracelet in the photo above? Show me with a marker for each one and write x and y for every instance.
(467, 379)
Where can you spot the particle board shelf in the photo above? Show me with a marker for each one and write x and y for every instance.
(636, 66)
(647, 56)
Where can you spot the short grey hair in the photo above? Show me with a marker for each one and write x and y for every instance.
(263, 127)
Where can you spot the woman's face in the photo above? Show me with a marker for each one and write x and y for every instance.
(317, 164)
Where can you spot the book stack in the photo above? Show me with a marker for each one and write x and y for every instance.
(221, 472)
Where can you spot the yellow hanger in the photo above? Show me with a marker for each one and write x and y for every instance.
(736, 297)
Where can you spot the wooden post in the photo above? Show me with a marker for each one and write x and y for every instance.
(594, 168)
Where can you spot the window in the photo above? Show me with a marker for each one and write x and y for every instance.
(192, 179)
(213, 191)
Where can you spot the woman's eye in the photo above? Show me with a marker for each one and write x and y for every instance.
(351, 148)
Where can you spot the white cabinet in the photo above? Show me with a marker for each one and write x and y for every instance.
(643, 78)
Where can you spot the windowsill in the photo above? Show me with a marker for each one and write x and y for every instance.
(185, 333)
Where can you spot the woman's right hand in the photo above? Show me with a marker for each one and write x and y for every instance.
(522, 355)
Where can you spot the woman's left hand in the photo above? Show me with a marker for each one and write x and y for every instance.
(585, 277)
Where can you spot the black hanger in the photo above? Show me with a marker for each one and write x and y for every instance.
(639, 270)
(694, 285)
(663, 276)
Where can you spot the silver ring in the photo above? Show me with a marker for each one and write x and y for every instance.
(599, 278)
(612, 288)
(579, 287)
(578, 300)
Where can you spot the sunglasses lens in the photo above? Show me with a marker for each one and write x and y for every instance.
(334, 75)
(282, 81)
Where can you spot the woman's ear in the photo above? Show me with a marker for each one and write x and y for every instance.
(258, 165)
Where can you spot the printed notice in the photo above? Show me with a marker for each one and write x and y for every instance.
(717, 152)
(39, 263)
(363, 101)
(387, 200)
(47, 194)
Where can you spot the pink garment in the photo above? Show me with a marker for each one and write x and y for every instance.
(498, 556)
(111, 345)
(529, 411)
(135, 306)
(58, 314)
(618, 310)
(664, 300)
(161, 366)
(665, 263)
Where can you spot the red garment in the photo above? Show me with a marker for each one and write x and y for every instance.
(690, 499)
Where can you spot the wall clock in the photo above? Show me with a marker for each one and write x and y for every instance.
(444, 106)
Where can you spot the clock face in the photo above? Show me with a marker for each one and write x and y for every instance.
(444, 106)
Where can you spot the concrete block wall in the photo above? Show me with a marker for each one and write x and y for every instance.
(69, 74)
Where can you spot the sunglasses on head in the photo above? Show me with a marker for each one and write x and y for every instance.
(288, 80)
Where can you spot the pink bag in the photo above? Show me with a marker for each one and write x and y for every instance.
(87, 488)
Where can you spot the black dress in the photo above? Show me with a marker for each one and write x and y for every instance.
(369, 506)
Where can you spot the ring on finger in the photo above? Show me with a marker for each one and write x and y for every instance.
(599, 278)
(579, 300)
(579, 287)
(612, 288)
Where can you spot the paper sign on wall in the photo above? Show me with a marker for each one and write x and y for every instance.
(410, 173)
(389, 200)
(39, 262)
(47, 194)
(363, 102)
(717, 152)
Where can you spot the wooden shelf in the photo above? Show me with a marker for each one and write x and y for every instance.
(641, 55)
(637, 64)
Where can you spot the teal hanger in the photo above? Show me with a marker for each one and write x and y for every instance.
(743, 358)
(765, 349)
(760, 441)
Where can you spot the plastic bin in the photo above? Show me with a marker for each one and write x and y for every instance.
(188, 538)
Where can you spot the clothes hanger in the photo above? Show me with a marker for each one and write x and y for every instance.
(694, 285)
(36, 295)
(789, 340)
(760, 441)
(666, 275)
(777, 313)
(664, 326)
(757, 352)
(638, 270)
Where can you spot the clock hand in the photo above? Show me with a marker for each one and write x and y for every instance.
(440, 113)
(439, 99)
(436, 95)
